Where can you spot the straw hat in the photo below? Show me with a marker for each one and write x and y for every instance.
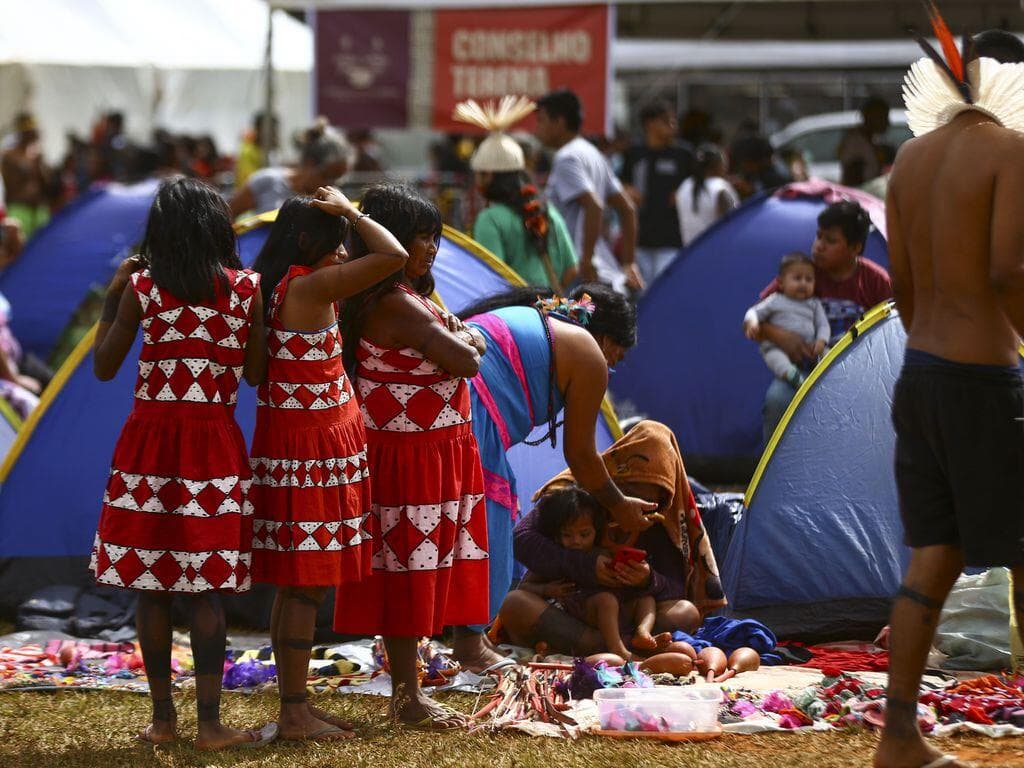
(499, 152)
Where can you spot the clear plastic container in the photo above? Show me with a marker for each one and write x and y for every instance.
(659, 712)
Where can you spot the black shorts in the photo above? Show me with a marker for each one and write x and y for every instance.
(960, 458)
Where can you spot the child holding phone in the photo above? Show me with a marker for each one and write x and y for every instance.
(573, 519)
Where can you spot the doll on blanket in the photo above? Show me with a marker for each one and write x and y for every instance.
(573, 519)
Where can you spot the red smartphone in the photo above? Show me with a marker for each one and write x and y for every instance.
(629, 555)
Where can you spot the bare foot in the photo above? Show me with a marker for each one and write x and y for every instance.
(910, 752)
(215, 736)
(327, 717)
(298, 723)
(424, 712)
(475, 653)
(663, 639)
(159, 732)
(643, 641)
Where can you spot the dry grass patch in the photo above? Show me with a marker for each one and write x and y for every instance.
(96, 730)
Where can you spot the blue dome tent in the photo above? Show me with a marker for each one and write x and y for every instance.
(52, 480)
(80, 247)
(819, 551)
(693, 369)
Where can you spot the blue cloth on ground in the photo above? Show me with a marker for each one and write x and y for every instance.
(730, 634)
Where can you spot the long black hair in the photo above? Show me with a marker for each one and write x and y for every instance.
(614, 315)
(405, 213)
(517, 190)
(708, 156)
(301, 235)
(189, 240)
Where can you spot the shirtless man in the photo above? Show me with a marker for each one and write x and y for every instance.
(956, 246)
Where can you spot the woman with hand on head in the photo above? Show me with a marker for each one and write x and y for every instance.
(310, 490)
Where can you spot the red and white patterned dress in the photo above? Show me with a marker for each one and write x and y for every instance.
(311, 488)
(176, 513)
(429, 520)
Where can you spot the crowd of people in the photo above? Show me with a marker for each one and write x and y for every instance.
(380, 466)
(348, 401)
(361, 376)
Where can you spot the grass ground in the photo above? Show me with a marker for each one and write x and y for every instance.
(96, 729)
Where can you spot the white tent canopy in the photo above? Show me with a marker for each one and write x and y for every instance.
(193, 66)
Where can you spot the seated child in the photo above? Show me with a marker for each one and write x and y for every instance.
(793, 308)
(572, 518)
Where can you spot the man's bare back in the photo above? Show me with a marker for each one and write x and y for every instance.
(956, 240)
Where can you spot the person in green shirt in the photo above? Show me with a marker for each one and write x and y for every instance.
(518, 226)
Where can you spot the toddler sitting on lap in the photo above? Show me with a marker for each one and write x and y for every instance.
(574, 519)
(793, 308)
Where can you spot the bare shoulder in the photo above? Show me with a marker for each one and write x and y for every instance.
(1010, 143)
(398, 302)
(573, 337)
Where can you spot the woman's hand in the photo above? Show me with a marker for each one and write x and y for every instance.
(453, 323)
(331, 200)
(630, 514)
(124, 273)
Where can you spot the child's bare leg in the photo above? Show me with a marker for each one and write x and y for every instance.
(644, 614)
(208, 632)
(603, 614)
(153, 622)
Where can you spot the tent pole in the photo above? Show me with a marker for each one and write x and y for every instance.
(266, 125)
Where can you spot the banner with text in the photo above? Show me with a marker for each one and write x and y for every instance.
(362, 68)
(490, 53)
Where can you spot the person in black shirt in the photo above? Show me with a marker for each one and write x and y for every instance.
(651, 173)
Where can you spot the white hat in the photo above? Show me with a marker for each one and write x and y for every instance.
(499, 152)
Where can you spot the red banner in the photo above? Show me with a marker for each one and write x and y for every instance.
(489, 53)
(362, 67)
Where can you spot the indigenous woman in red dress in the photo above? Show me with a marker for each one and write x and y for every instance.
(311, 487)
(409, 361)
(176, 514)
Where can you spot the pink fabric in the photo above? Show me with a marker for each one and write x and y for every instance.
(499, 490)
(500, 333)
(834, 193)
(484, 393)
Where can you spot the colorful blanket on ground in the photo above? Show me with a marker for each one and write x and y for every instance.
(993, 705)
(85, 665)
(90, 665)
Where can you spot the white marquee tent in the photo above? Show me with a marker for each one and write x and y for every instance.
(194, 66)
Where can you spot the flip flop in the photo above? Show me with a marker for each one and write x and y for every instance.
(319, 735)
(146, 738)
(442, 718)
(437, 721)
(327, 717)
(264, 736)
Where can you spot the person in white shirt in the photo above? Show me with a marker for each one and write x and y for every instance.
(706, 196)
(580, 185)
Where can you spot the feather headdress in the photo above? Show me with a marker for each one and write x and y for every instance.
(498, 152)
(940, 86)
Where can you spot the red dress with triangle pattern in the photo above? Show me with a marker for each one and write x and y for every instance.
(311, 490)
(429, 520)
(176, 513)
